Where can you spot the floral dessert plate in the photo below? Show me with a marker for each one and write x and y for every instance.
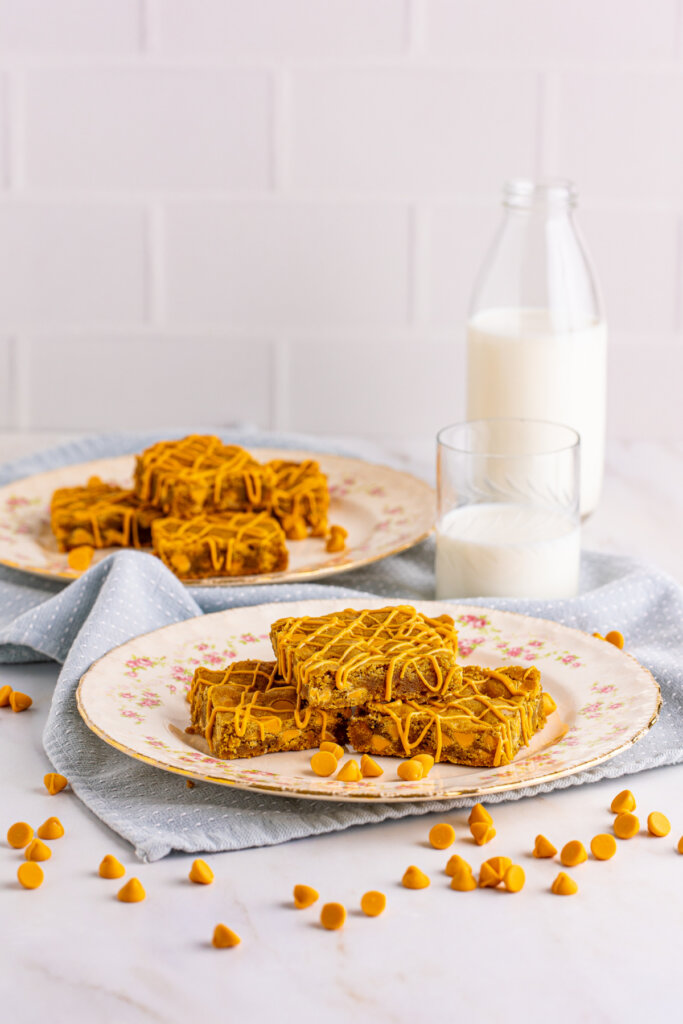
(135, 699)
(383, 509)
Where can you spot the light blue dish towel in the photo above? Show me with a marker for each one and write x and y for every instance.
(132, 593)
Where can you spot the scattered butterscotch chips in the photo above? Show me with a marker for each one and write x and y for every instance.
(201, 873)
(323, 763)
(80, 558)
(455, 863)
(442, 836)
(337, 539)
(615, 637)
(369, 769)
(410, 771)
(54, 783)
(5, 694)
(332, 916)
(658, 824)
(189, 784)
(19, 701)
(19, 835)
(482, 832)
(549, 704)
(543, 847)
(626, 825)
(132, 892)
(333, 748)
(304, 896)
(413, 878)
(573, 853)
(294, 528)
(463, 879)
(52, 828)
(350, 772)
(624, 801)
(479, 813)
(564, 885)
(373, 903)
(30, 875)
(603, 846)
(427, 762)
(224, 937)
(110, 867)
(514, 878)
(37, 850)
(680, 845)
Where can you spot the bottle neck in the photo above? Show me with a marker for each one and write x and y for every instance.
(544, 198)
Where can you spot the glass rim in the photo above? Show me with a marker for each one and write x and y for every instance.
(574, 445)
(524, 191)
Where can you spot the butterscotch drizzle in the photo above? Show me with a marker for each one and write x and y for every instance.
(473, 704)
(397, 639)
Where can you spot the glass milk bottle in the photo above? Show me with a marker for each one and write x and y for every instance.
(536, 334)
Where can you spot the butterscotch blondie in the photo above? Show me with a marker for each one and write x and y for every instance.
(349, 658)
(301, 498)
(494, 714)
(242, 544)
(200, 474)
(247, 710)
(101, 515)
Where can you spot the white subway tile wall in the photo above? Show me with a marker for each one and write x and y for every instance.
(274, 210)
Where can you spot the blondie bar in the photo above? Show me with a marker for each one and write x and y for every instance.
(101, 515)
(199, 474)
(494, 714)
(247, 710)
(242, 544)
(300, 497)
(349, 658)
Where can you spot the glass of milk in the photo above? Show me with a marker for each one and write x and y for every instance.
(508, 509)
(536, 333)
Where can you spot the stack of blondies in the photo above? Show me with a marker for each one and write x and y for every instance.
(386, 681)
(206, 508)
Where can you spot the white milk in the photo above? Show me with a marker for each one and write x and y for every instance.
(519, 365)
(506, 550)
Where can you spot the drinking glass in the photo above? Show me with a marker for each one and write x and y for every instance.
(508, 509)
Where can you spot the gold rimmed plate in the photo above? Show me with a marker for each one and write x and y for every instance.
(384, 510)
(134, 699)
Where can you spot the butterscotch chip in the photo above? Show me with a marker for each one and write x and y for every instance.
(324, 763)
(573, 853)
(564, 885)
(514, 878)
(5, 694)
(680, 845)
(37, 850)
(333, 748)
(19, 701)
(543, 847)
(80, 558)
(30, 875)
(224, 937)
(55, 783)
(624, 801)
(52, 828)
(603, 846)
(110, 867)
(337, 539)
(658, 824)
(626, 825)
(615, 638)
(350, 772)
(19, 835)
(201, 873)
(455, 863)
(369, 769)
(373, 903)
(304, 896)
(442, 836)
(482, 833)
(332, 916)
(132, 892)
(463, 879)
(492, 871)
(413, 878)
(479, 813)
(427, 762)
(410, 771)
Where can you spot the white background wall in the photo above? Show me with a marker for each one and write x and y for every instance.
(274, 209)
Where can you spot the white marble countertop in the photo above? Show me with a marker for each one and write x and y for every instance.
(72, 952)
